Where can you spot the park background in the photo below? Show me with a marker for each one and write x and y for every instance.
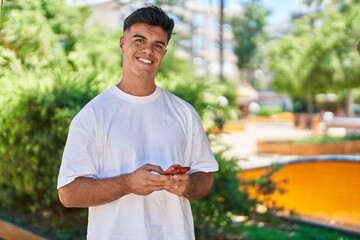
(55, 57)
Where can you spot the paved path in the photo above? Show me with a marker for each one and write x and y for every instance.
(243, 143)
(9, 231)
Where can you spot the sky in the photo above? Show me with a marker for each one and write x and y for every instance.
(281, 9)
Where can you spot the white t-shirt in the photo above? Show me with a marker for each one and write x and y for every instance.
(116, 133)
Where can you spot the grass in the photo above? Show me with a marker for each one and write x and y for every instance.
(283, 230)
(328, 139)
(268, 110)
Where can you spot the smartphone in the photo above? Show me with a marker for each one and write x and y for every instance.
(176, 170)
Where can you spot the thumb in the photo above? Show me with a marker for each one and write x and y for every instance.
(153, 168)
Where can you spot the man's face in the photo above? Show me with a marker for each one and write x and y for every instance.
(143, 47)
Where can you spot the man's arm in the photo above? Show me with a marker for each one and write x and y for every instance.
(87, 192)
(200, 184)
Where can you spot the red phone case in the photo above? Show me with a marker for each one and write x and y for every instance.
(176, 170)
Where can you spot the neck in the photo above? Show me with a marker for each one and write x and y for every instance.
(137, 88)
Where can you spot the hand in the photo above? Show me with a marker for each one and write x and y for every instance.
(143, 182)
(180, 184)
(193, 186)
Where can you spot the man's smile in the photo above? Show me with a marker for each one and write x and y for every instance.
(146, 61)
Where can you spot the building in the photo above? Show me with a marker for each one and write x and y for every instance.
(197, 27)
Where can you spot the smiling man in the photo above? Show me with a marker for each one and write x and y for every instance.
(121, 142)
(143, 48)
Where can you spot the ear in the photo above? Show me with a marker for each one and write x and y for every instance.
(122, 41)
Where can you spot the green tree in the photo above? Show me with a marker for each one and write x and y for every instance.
(43, 37)
(247, 29)
(314, 59)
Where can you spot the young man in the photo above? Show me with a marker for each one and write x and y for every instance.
(120, 143)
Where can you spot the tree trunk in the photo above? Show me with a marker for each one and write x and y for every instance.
(310, 111)
(221, 41)
(349, 102)
(310, 104)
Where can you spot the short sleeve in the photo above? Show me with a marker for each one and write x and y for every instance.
(79, 157)
(202, 157)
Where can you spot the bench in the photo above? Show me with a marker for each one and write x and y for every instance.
(350, 124)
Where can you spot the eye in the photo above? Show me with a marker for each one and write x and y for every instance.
(159, 46)
(139, 40)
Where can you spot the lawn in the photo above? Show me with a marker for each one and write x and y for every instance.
(328, 139)
(283, 230)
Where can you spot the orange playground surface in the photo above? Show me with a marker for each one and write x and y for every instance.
(325, 192)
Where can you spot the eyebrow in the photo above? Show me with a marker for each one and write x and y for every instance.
(140, 36)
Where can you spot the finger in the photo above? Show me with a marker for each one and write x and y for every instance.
(180, 177)
(175, 165)
(177, 190)
(160, 180)
(153, 168)
(174, 177)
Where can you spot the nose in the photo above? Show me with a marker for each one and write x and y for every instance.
(147, 49)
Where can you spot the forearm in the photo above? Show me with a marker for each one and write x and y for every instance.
(87, 192)
(200, 185)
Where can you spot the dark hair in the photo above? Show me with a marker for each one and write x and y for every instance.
(151, 15)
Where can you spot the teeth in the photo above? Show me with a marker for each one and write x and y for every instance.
(144, 60)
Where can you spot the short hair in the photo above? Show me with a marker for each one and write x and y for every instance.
(151, 15)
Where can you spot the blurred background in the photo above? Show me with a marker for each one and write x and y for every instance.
(276, 83)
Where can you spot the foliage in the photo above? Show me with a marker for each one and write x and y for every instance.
(50, 67)
(224, 201)
(268, 110)
(328, 139)
(172, 64)
(32, 137)
(248, 29)
(1, 12)
(230, 197)
(188, 88)
(356, 93)
(32, 52)
(224, 108)
(201, 95)
(33, 133)
(315, 60)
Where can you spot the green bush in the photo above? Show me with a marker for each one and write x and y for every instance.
(49, 63)
(32, 136)
(327, 139)
(192, 89)
(225, 200)
(229, 196)
(268, 110)
(202, 95)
